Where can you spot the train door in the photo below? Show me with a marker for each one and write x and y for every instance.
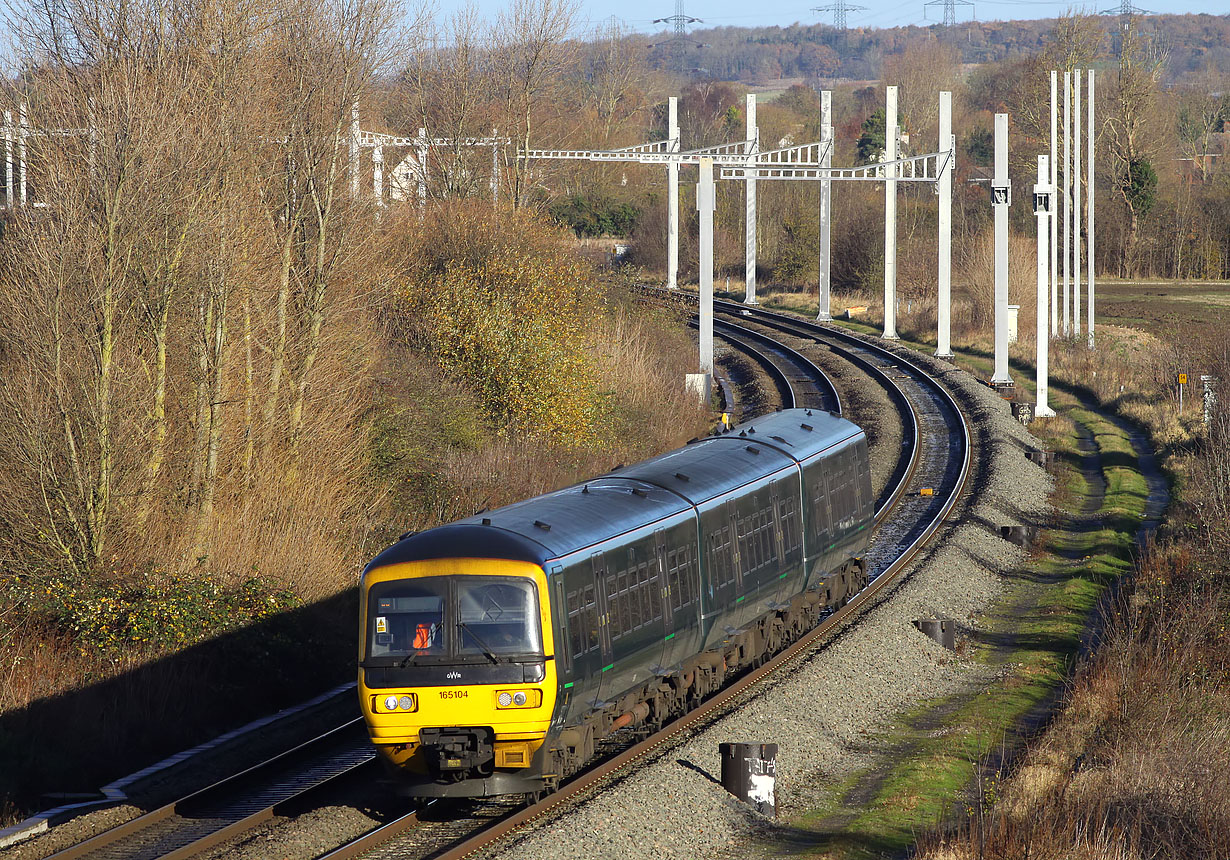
(563, 646)
(659, 552)
(598, 563)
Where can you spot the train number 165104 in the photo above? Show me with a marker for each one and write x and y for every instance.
(454, 694)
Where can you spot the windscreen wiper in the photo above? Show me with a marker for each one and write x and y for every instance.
(487, 652)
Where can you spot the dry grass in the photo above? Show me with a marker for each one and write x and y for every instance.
(1134, 766)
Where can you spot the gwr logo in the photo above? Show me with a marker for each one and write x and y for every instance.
(453, 675)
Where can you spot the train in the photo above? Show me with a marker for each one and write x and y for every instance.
(498, 651)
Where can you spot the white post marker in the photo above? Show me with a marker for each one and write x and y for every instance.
(826, 208)
(751, 147)
(420, 155)
(1043, 195)
(21, 156)
(1001, 199)
(705, 205)
(890, 215)
(354, 150)
(1076, 203)
(8, 158)
(495, 167)
(1067, 203)
(1053, 219)
(672, 197)
(1089, 195)
(378, 174)
(943, 336)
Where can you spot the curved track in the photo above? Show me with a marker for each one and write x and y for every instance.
(934, 456)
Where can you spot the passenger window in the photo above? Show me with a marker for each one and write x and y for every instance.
(583, 620)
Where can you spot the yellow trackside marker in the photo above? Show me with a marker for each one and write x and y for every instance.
(926, 491)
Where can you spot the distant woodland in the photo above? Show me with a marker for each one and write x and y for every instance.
(821, 52)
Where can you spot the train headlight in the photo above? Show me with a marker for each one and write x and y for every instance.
(518, 698)
(393, 703)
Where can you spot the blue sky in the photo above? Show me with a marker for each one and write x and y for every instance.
(638, 15)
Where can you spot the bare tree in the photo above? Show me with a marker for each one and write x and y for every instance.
(1132, 132)
(531, 55)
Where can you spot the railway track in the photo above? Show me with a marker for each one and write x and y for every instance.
(207, 818)
(931, 420)
(799, 382)
(940, 439)
(935, 458)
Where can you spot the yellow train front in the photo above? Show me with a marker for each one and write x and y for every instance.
(456, 681)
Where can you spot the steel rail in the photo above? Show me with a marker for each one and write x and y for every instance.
(903, 472)
(109, 841)
(785, 659)
(823, 388)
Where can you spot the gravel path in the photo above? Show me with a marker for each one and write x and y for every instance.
(823, 715)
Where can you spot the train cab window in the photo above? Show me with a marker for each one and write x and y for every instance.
(407, 617)
(453, 617)
(498, 617)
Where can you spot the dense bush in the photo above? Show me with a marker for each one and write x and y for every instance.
(593, 216)
(150, 611)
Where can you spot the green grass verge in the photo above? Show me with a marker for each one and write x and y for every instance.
(940, 747)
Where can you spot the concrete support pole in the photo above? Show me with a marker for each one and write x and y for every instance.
(1067, 204)
(1042, 208)
(826, 209)
(1076, 203)
(943, 335)
(672, 198)
(1089, 189)
(1001, 192)
(21, 155)
(354, 150)
(8, 159)
(1054, 221)
(890, 216)
(495, 167)
(378, 174)
(749, 184)
(705, 205)
(420, 155)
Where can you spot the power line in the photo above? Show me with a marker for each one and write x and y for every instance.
(839, 8)
(680, 20)
(950, 9)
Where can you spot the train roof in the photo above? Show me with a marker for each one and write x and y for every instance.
(569, 520)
